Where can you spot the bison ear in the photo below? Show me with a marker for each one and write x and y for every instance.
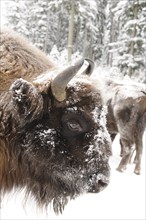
(25, 97)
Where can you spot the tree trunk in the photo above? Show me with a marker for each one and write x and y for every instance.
(70, 34)
(112, 36)
(135, 11)
(47, 32)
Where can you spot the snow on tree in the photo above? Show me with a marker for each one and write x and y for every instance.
(46, 23)
(112, 33)
(129, 48)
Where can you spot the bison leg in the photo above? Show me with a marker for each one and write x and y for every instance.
(139, 148)
(122, 149)
(132, 153)
(126, 153)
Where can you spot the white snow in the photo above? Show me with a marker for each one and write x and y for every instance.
(3, 12)
(124, 198)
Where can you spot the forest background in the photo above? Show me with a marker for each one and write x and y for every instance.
(111, 32)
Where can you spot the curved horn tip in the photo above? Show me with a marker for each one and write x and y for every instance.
(90, 61)
(90, 67)
(80, 62)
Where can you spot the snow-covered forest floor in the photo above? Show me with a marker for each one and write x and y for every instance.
(124, 198)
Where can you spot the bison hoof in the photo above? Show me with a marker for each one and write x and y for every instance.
(137, 172)
(121, 169)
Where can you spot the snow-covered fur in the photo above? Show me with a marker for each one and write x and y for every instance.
(56, 150)
(126, 102)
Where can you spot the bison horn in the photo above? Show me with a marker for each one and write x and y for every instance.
(60, 82)
(88, 71)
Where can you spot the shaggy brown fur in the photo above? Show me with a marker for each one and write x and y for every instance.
(19, 58)
(56, 150)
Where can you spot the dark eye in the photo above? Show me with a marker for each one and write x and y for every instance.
(74, 125)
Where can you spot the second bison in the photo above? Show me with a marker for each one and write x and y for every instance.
(126, 103)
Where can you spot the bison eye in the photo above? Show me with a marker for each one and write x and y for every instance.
(74, 125)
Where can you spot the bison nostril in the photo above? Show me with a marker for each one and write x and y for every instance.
(99, 185)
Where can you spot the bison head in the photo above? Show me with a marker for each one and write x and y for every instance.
(54, 135)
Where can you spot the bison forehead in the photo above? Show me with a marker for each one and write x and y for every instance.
(83, 91)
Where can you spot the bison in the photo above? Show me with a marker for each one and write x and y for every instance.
(126, 103)
(53, 136)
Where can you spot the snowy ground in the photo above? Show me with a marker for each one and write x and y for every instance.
(124, 198)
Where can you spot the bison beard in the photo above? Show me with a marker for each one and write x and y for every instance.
(57, 150)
